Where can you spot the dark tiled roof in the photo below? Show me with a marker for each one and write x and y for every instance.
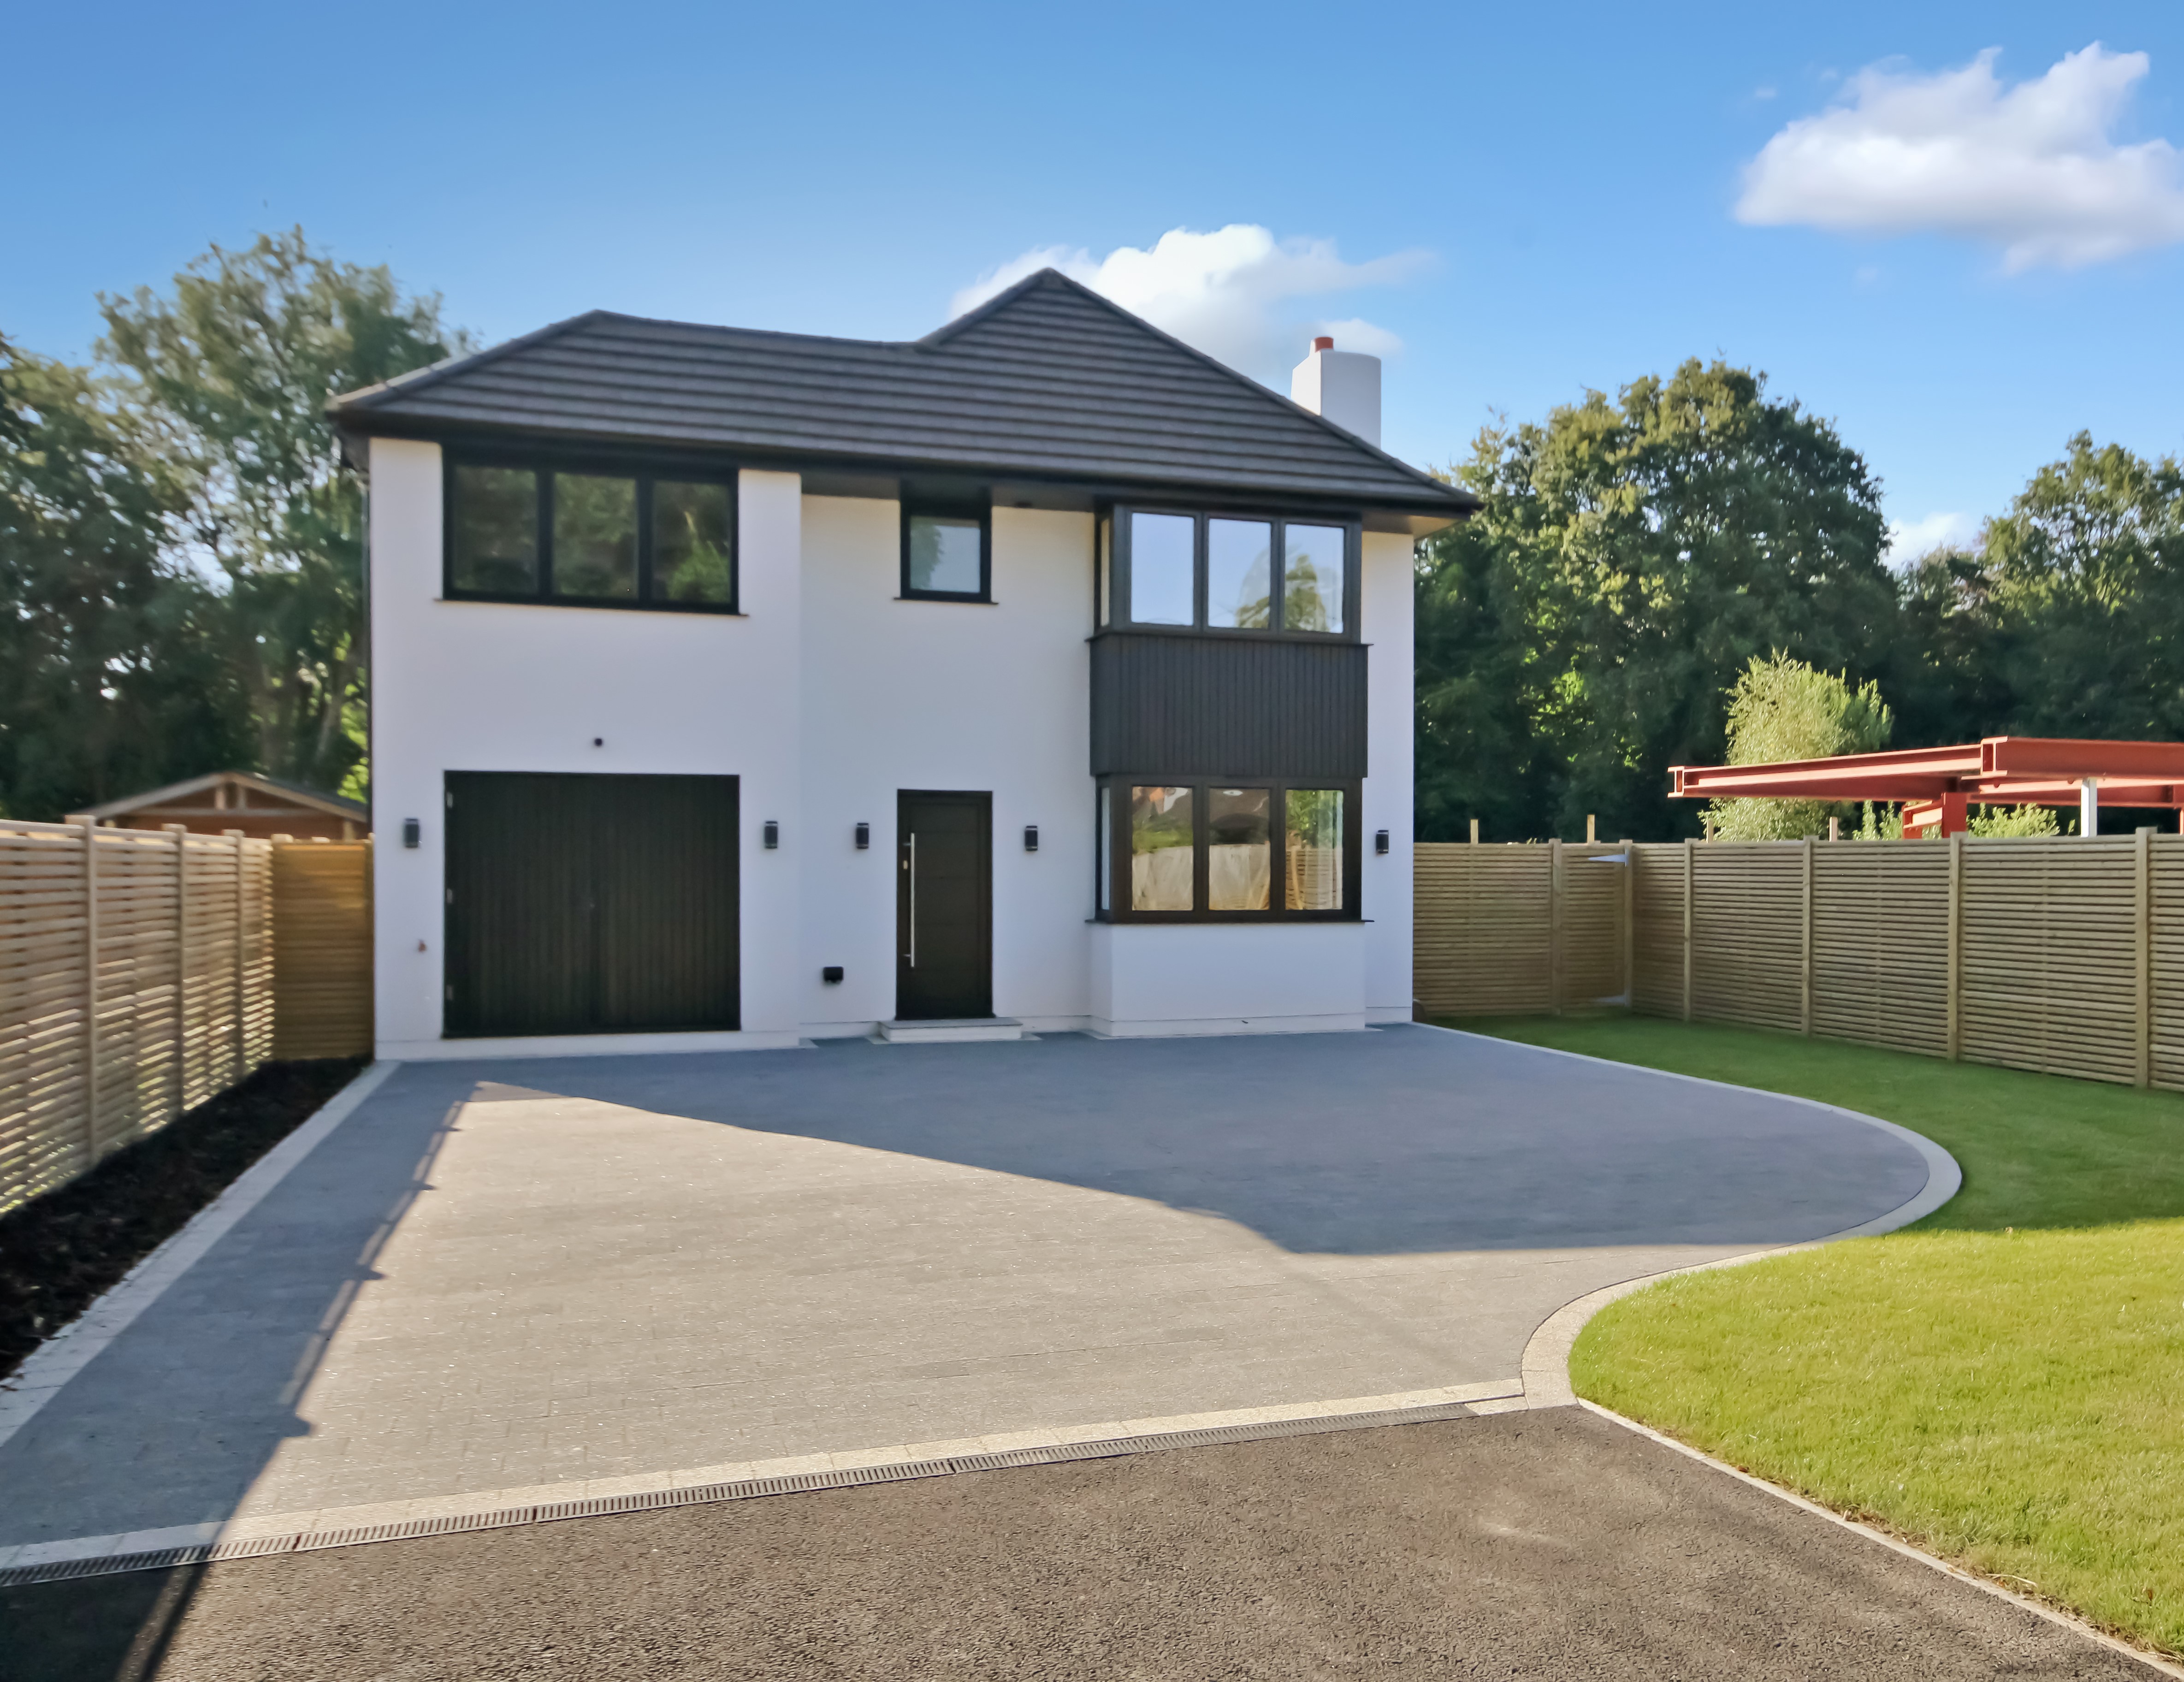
(1048, 379)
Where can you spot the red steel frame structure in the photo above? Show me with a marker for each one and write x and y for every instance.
(1937, 785)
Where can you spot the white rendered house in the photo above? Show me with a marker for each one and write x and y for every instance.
(733, 688)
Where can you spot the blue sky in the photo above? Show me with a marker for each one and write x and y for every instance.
(1518, 203)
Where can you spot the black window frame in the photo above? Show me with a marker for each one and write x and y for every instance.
(645, 474)
(941, 509)
(1119, 784)
(1113, 541)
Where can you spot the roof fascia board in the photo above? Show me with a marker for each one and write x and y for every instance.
(1437, 499)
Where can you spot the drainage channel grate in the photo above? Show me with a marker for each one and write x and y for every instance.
(705, 1494)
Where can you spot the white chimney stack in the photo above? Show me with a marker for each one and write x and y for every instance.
(1341, 386)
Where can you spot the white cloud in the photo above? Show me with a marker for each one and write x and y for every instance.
(1910, 539)
(2033, 169)
(1232, 293)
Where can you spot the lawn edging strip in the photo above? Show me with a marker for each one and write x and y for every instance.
(800, 1474)
(1895, 1544)
(1545, 1365)
(68, 1351)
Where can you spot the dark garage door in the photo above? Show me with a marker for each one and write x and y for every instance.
(590, 905)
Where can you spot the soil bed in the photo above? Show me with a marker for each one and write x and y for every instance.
(59, 1252)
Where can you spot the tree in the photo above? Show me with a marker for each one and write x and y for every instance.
(232, 372)
(1632, 555)
(2087, 575)
(1782, 709)
(110, 675)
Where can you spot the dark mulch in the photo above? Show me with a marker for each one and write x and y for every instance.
(60, 1251)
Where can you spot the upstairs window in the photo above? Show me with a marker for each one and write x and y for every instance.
(947, 555)
(586, 539)
(1228, 573)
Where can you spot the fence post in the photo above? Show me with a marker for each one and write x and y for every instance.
(181, 832)
(1805, 989)
(90, 828)
(1690, 854)
(242, 950)
(1555, 926)
(2142, 954)
(1953, 986)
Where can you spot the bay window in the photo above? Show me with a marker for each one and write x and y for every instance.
(1219, 851)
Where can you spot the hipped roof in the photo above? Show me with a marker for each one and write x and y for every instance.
(1047, 381)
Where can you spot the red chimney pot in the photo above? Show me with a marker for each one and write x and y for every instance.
(1322, 344)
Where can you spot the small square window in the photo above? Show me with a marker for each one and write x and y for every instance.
(944, 555)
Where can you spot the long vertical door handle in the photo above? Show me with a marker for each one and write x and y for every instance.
(913, 898)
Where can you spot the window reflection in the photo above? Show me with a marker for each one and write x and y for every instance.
(1238, 850)
(1313, 867)
(1161, 849)
(947, 555)
(691, 544)
(1163, 569)
(1311, 577)
(495, 531)
(594, 537)
(1239, 584)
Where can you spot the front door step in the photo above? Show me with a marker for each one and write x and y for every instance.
(949, 1031)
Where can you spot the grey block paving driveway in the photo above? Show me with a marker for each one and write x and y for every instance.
(504, 1275)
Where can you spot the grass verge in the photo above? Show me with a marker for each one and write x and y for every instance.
(1999, 1384)
(59, 1253)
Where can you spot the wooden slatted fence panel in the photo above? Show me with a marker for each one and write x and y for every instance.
(2166, 1027)
(99, 1047)
(1486, 922)
(1747, 933)
(2048, 956)
(1658, 961)
(322, 949)
(1880, 951)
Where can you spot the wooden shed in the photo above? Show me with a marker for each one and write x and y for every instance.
(261, 807)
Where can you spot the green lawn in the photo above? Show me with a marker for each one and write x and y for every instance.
(2002, 1384)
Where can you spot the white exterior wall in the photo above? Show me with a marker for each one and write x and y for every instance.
(824, 699)
(991, 698)
(480, 686)
(1386, 614)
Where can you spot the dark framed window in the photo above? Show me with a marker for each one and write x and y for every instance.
(582, 537)
(947, 553)
(1244, 573)
(1248, 849)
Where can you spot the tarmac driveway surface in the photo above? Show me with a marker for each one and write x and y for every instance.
(531, 1281)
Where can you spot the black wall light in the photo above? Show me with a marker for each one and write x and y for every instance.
(1031, 837)
(410, 831)
(831, 975)
(1379, 840)
(771, 834)
(864, 837)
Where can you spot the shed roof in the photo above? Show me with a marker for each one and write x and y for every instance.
(1047, 380)
(294, 793)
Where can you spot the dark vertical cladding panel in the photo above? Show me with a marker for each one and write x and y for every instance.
(1228, 706)
(666, 875)
(583, 903)
(519, 922)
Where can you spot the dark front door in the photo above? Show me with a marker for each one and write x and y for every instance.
(580, 904)
(943, 914)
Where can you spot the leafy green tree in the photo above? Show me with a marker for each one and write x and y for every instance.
(111, 678)
(1631, 556)
(2087, 571)
(1782, 709)
(231, 371)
